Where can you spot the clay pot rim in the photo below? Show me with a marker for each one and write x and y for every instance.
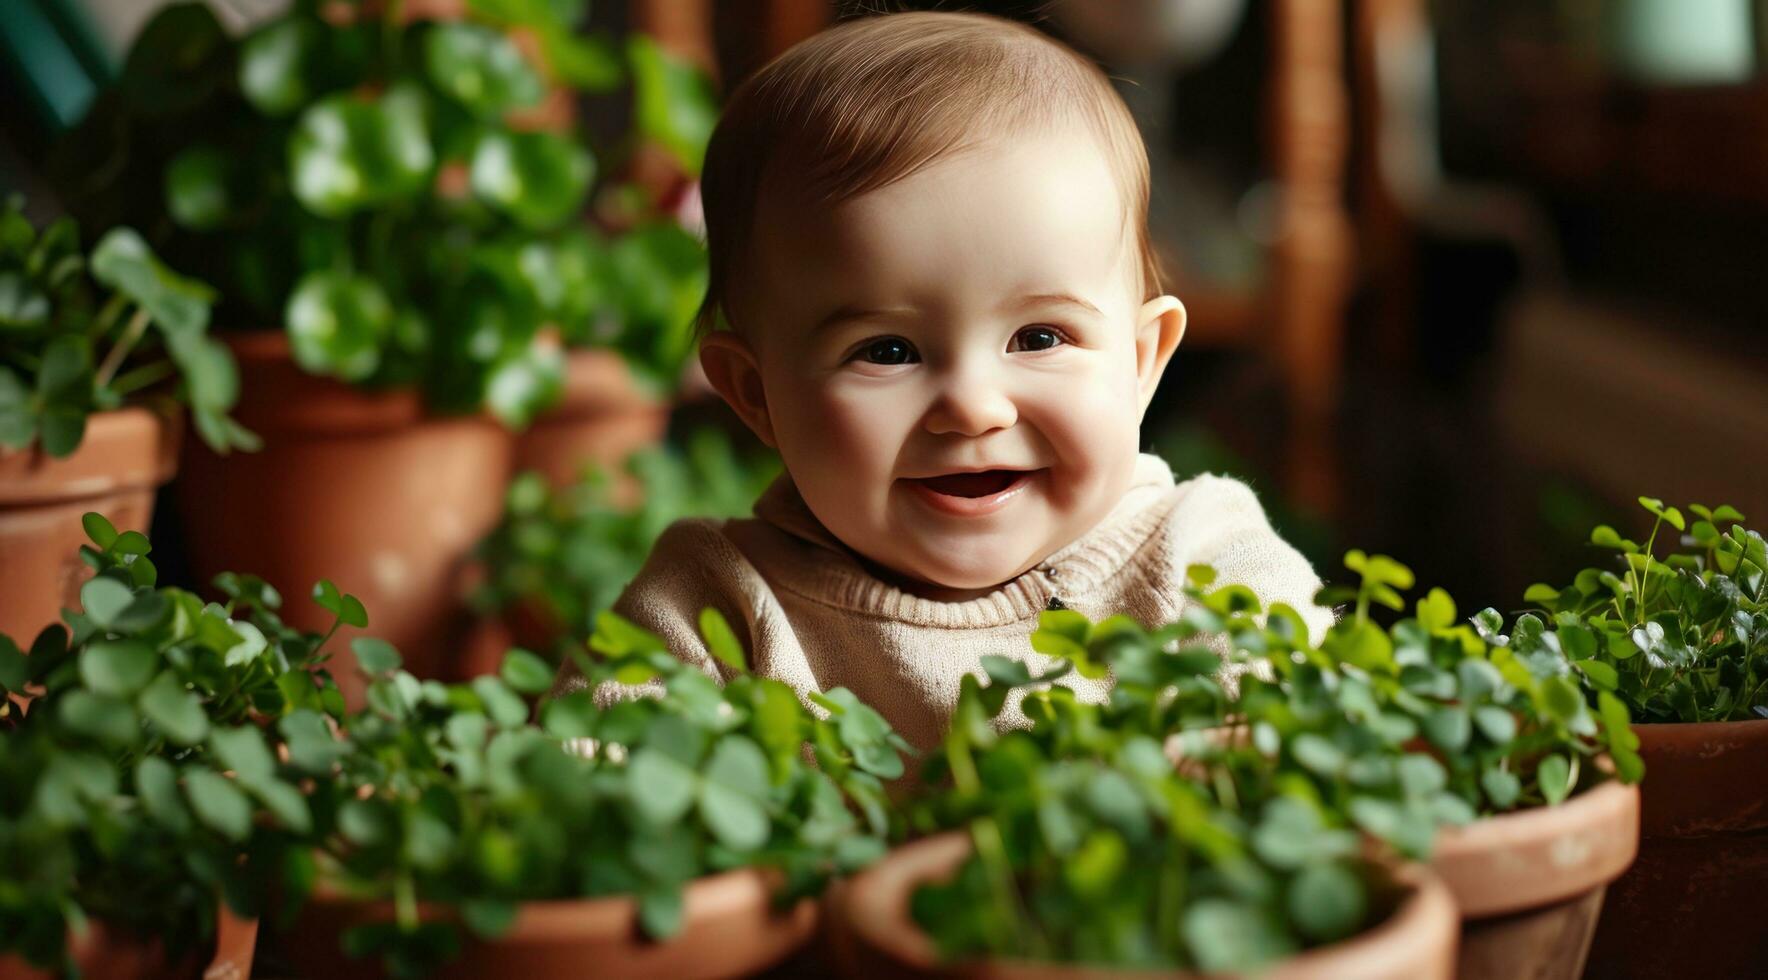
(129, 425)
(1379, 950)
(1608, 806)
(708, 896)
(322, 405)
(1699, 730)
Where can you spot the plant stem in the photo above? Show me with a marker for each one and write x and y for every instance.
(131, 336)
(405, 901)
(107, 315)
(138, 378)
(985, 834)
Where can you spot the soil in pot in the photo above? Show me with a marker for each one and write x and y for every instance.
(875, 935)
(1530, 884)
(1692, 904)
(114, 955)
(125, 455)
(602, 418)
(362, 488)
(730, 928)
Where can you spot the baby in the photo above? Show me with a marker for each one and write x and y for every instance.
(932, 291)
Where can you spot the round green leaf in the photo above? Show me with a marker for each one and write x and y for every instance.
(1226, 936)
(526, 672)
(117, 667)
(196, 188)
(178, 305)
(218, 803)
(338, 325)
(722, 641)
(374, 655)
(1327, 902)
(661, 788)
(674, 102)
(480, 68)
(538, 179)
(1501, 786)
(243, 751)
(1554, 775)
(176, 711)
(103, 599)
(348, 153)
(524, 383)
(107, 719)
(273, 65)
(156, 782)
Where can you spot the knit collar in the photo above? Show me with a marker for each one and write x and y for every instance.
(824, 569)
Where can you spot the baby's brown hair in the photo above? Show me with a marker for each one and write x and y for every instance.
(871, 101)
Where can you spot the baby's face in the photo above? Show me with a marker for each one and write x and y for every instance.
(953, 367)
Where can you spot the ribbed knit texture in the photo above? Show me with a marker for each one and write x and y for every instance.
(811, 615)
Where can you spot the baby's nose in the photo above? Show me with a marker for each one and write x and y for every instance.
(970, 406)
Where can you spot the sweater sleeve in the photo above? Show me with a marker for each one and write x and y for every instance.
(1218, 521)
(692, 566)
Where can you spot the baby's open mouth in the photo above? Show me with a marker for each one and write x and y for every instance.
(984, 484)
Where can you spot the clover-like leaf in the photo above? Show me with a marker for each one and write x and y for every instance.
(539, 178)
(674, 102)
(480, 68)
(339, 324)
(349, 153)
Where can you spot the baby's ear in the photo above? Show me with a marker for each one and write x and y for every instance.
(730, 365)
(1159, 328)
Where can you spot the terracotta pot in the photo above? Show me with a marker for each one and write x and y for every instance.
(115, 955)
(125, 455)
(1530, 884)
(876, 937)
(603, 417)
(729, 928)
(362, 488)
(1692, 904)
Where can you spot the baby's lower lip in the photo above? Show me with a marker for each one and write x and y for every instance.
(956, 505)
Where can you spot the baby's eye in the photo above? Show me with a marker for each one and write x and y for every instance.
(887, 350)
(1036, 338)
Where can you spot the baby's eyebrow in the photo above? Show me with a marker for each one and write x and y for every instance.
(849, 313)
(845, 314)
(1049, 299)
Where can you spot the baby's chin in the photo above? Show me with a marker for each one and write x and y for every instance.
(941, 577)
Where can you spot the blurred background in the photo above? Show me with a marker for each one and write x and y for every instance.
(1465, 276)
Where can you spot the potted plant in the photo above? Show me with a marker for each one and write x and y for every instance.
(386, 184)
(561, 554)
(678, 834)
(1481, 757)
(1450, 742)
(98, 355)
(1081, 846)
(146, 815)
(1685, 639)
(642, 276)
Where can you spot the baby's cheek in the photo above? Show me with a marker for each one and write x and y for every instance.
(1090, 422)
(859, 431)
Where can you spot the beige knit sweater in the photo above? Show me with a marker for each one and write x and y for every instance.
(813, 617)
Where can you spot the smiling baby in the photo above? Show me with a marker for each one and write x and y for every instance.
(932, 291)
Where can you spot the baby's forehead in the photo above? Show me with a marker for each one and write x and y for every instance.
(1039, 211)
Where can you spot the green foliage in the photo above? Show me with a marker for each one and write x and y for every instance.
(449, 793)
(565, 554)
(140, 779)
(398, 195)
(174, 751)
(1682, 638)
(1243, 803)
(80, 335)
